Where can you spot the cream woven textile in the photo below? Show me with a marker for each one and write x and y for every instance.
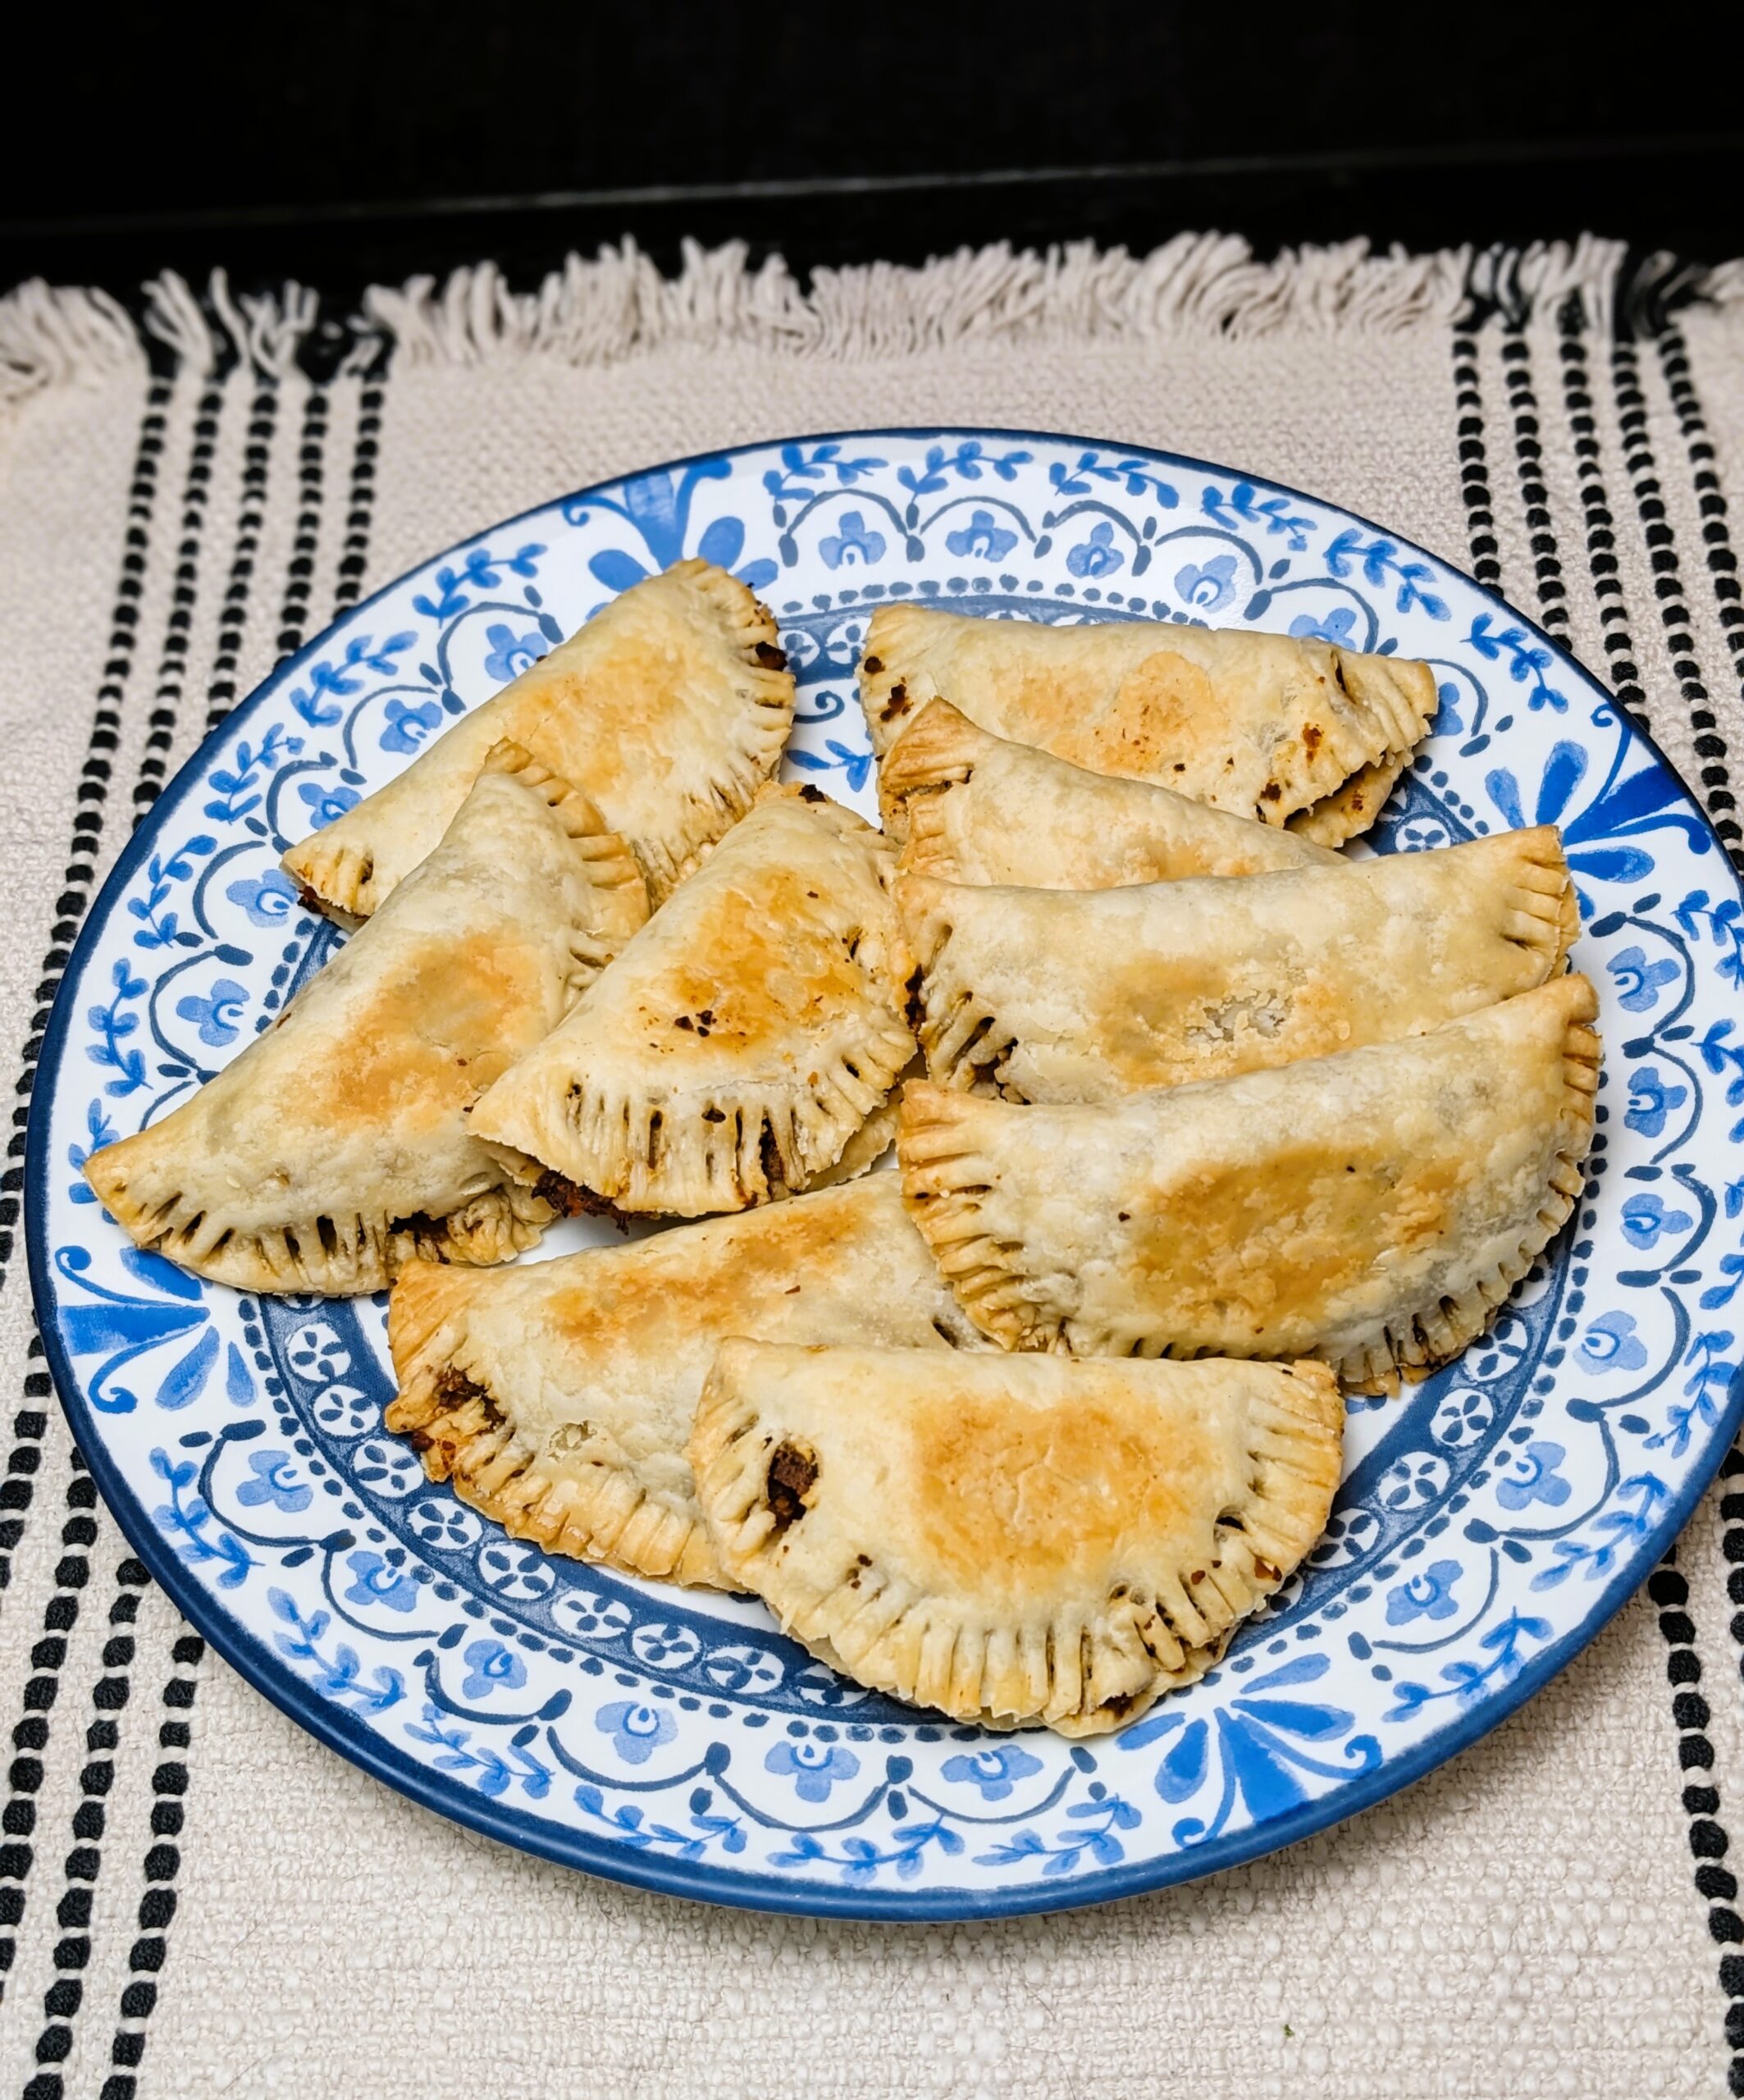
(195, 1899)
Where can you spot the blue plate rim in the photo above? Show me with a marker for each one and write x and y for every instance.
(274, 1679)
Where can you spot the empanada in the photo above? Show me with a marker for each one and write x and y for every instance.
(1085, 995)
(335, 1147)
(1269, 726)
(972, 807)
(1013, 1539)
(740, 1040)
(668, 708)
(558, 1395)
(1372, 1208)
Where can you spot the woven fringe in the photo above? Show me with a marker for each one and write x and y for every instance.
(266, 331)
(618, 305)
(55, 336)
(1518, 283)
(597, 312)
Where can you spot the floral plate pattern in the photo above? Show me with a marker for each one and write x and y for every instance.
(1488, 1523)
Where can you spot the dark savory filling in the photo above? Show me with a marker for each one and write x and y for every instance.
(570, 1199)
(792, 1474)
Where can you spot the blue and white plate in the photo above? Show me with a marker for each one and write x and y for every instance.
(1490, 1522)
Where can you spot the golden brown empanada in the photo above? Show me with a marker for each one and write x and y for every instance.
(1085, 995)
(972, 807)
(1269, 726)
(558, 1395)
(668, 708)
(1013, 1539)
(740, 1040)
(335, 1147)
(1372, 1208)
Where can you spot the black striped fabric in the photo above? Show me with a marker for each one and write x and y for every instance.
(23, 1856)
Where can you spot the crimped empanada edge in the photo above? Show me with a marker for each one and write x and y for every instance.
(1417, 1343)
(462, 1426)
(942, 1184)
(960, 1030)
(334, 1258)
(940, 751)
(1081, 1675)
(881, 683)
(1373, 683)
(766, 692)
(699, 1156)
(1538, 910)
(612, 873)
(1351, 809)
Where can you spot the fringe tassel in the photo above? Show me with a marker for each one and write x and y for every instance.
(599, 312)
(617, 304)
(60, 336)
(1518, 282)
(267, 332)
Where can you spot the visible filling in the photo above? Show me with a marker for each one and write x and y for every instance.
(898, 703)
(771, 658)
(768, 1156)
(454, 1391)
(569, 1199)
(792, 1474)
(915, 1010)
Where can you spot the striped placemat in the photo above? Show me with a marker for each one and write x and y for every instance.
(197, 1899)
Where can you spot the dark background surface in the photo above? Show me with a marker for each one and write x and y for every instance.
(342, 144)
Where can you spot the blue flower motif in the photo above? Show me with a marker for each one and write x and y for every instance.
(327, 805)
(1538, 1479)
(219, 1014)
(982, 536)
(1263, 1742)
(267, 899)
(377, 1582)
(408, 726)
(1639, 980)
(814, 1767)
(1209, 586)
(1646, 1218)
(275, 1481)
(1338, 627)
(636, 1731)
(491, 1666)
(1098, 555)
(1428, 1595)
(995, 1772)
(512, 654)
(1652, 1100)
(1611, 1343)
(1596, 836)
(856, 545)
(660, 508)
